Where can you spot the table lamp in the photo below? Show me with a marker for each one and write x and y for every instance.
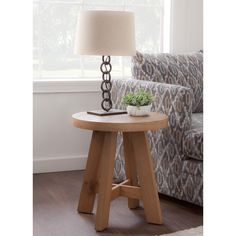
(106, 33)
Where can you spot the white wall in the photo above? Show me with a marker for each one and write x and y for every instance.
(186, 26)
(57, 144)
(60, 146)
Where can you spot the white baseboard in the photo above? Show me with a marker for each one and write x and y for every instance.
(54, 164)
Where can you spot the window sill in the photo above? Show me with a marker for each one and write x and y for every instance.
(66, 86)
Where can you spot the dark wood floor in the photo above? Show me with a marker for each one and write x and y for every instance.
(55, 203)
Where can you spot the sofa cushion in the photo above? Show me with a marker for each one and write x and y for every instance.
(180, 69)
(193, 138)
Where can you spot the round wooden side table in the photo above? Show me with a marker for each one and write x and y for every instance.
(100, 164)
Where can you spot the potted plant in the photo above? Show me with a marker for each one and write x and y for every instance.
(139, 103)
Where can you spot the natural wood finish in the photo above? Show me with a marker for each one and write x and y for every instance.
(54, 201)
(130, 167)
(115, 192)
(105, 180)
(125, 190)
(122, 122)
(100, 164)
(125, 182)
(146, 177)
(131, 192)
(89, 188)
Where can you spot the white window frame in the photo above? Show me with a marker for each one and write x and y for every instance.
(70, 85)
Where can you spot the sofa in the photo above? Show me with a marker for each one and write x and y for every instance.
(176, 81)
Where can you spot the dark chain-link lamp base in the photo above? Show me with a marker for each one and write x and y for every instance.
(106, 86)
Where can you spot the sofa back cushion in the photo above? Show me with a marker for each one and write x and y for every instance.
(180, 69)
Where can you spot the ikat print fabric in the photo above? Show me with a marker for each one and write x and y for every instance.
(177, 151)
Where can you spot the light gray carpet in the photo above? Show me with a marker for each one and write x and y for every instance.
(198, 231)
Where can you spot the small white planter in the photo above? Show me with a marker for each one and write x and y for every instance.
(138, 111)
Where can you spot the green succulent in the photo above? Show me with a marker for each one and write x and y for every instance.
(140, 98)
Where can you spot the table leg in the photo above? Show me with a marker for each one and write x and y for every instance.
(88, 191)
(130, 167)
(146, 178)
(105, 180)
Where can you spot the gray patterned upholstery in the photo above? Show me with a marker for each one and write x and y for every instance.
(178, 169)
(185, 70)
(193, 138)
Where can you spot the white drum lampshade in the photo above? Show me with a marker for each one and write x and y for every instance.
(106, 33)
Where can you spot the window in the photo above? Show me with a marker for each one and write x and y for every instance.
(54, 28)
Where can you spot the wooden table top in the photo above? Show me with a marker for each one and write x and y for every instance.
(123, 122)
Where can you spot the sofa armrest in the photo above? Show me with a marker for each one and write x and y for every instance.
(173, 100)
(165, 144)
